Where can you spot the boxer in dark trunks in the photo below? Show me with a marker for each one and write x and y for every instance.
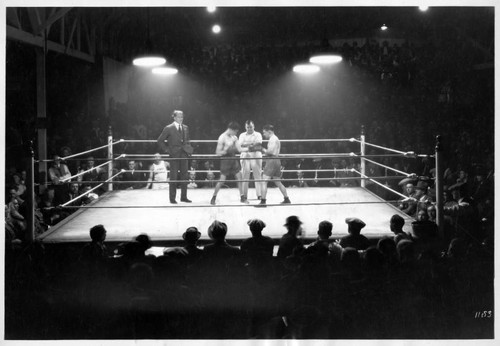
(272, 168)
(227, 146)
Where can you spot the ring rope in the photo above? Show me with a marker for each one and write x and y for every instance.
(388, 188)
(387, 167)
(78, 154)
(86, 171)
(237, 156)
(384, 148)
(244, 180)
(89, 191)
(265, 140)
(221, 205)
(284, 170)
(347, 170)
(282, 157)
(411, 154)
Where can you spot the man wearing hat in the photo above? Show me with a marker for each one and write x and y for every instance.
(219, 249)
(480, 189)
(189, 251)
(463, 215)
(59, 174)
(420, 199)
(355, 239)
(191, 237)
(422, 196)
(258, 247)
(324, 234)
(289, 241)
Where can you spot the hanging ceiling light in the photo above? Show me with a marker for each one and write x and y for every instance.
(165, 70)
(149, 59)
(325, 58)
(306, 68)
(325, 54)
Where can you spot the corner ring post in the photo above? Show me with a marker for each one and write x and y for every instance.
(30, 187)
(439, 186)
(110, 157)
(363, 162)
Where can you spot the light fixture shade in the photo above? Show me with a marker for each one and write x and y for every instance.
(165, 70)
(306, 68)
(325, 59)
(149, 61)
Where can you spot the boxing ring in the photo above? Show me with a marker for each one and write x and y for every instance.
(128, 213)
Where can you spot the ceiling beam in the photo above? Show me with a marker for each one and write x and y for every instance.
(13, 17)
(58, 15)
(36, 19)
(38, 41)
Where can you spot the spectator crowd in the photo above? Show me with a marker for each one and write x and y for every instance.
(409, 285)
(412, 282)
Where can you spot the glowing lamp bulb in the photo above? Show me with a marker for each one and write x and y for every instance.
(216, 29)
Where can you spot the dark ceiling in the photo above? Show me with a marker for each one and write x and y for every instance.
(124, 30)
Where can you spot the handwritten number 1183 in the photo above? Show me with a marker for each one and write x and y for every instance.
(483, 314)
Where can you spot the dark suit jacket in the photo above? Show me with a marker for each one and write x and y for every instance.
(357, 241)
(137, 176)
(287, 244)
(220, 251)
(176, 144)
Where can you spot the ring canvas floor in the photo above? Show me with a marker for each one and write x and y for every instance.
(125, 214)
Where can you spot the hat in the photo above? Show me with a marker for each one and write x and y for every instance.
(292, 220)
(408, 180)
(191, 233)
(256, 223)
(422, 185)
(355, 222)
(217, 230)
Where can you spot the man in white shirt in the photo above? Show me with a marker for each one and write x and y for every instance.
(59, 174)
(251, 160)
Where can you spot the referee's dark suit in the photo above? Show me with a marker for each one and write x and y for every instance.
(177, 137)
